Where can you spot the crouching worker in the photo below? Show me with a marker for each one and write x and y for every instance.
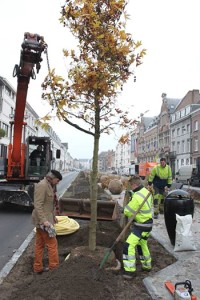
(43, 217)
(140, 231)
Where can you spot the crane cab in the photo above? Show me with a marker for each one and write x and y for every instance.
(38, 157)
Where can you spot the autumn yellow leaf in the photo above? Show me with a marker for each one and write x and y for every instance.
(101, 36)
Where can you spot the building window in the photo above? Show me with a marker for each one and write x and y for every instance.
(195, 125)
(3, 150)
(5, 128)
(182, 162)
(178, 131)
(188, 128)
(188, 146)
(183, 146)
(8, 91)
(196, 145)
(178, 115)
(182, 112)
(172, 118)
(183, 129)
(187, 110)
(178, 147)
(173, 133)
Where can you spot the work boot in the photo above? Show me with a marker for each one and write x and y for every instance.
(45, 269)
(156, 215)
(128, 275)
(162, 210)
(161, 207)
(146, 269)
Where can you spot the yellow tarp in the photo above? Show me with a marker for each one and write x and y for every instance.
(65, 225)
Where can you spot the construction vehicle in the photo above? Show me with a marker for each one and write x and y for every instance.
(145, 168)
(18, 172)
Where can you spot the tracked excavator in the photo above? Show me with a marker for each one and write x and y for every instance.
(21, 170)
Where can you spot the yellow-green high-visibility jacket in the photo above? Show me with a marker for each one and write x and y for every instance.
(146, 211)
(160, 177)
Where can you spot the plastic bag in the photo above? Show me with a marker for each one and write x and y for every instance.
(184, 238)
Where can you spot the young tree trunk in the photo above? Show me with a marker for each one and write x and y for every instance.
(93, 195)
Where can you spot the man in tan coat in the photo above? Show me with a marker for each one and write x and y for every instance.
(43, 218)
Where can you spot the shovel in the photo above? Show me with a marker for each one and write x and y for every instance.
(106, 256)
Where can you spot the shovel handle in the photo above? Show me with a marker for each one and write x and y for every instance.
(106, 256)
(131, 219)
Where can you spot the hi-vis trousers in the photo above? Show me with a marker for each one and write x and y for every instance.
(158, 200)
(129, 258)
(42, 239)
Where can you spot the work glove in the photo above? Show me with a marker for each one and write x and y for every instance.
(150, 188)
(166, 189)
(50, 230)
(130, 193)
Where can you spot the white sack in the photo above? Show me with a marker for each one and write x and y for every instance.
(184, 238)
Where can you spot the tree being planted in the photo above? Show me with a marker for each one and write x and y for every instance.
(99, 67)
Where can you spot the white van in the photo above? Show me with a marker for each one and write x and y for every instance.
(184, 174)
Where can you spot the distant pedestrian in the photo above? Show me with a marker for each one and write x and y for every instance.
(142, 226)
(161, 178)
(43, 217)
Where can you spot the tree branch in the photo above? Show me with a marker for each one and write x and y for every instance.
(77, 126)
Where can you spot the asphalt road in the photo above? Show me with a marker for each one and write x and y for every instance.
(15, 223)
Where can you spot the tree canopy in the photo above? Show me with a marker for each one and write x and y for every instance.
(99, 66)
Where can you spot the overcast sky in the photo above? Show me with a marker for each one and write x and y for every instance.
(168, 29)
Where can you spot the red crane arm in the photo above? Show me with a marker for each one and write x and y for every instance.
(32, 48)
